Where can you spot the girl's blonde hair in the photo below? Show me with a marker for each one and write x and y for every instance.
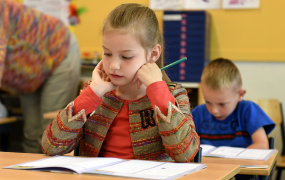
(142, 22)
(221, 73)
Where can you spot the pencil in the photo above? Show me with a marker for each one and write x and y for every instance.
(172, 64)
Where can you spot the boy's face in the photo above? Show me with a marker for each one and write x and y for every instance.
(123, 56)
(221, 103)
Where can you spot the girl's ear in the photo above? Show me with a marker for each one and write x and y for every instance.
(154, 53)
(241, 94)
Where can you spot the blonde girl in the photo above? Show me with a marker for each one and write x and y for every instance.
(130, 109)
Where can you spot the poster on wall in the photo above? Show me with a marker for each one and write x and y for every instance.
(167, 4)
(202, 4)
(184, 4)
(57, 8)
(241, 4)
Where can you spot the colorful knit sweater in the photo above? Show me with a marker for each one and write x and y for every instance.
(32, 45)
(154, 136)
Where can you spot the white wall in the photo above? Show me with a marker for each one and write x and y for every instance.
(265, 80)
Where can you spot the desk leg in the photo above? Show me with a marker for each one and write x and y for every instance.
(263, 177)
(279, 173)
(5, 139)
(270, 175)
(245, 177)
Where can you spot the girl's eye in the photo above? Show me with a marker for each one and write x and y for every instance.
(222, 104)
(106, 54)
(124, 57)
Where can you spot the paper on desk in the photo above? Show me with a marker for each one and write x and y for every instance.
(256, 154)
(149, 169)
(111, 166)
(77, 164)
(227, 151)
(240, 153)
(254, 166)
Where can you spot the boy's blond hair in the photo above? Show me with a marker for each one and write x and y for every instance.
(221, 73)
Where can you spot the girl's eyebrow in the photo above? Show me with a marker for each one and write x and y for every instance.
(104, 47)
(127, 50)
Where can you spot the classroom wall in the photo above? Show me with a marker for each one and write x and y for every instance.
(241, 35)
(88, 32)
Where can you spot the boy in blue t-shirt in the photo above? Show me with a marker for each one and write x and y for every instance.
(226, 119)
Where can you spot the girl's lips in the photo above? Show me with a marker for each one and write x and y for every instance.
(116, 76)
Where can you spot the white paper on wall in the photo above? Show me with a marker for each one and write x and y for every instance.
(167, 4)
(57, 8)
(202, 4)
(241, 4)
(184, 4)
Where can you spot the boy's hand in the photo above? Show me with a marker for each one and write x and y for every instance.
(101, 83)
(148, 74)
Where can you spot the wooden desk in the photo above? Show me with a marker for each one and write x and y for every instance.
(248, 171)
(212, 172)
(7, 120)
(51, 115)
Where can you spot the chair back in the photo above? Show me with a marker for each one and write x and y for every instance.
(198, 156)
(271, 142)
(272, 108)
(79, 149)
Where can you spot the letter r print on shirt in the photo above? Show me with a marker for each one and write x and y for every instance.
(147, 118)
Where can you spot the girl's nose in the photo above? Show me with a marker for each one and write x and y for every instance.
(115, 64)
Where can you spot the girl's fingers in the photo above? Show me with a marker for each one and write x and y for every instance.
(100, 64)
(139, 84)
(135, 79)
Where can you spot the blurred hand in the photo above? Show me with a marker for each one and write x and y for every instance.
(148, 74)
(101, 83)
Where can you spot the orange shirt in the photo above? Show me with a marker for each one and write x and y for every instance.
(117, 142)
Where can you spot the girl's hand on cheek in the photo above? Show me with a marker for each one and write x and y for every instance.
(148, 74)
(101, 83)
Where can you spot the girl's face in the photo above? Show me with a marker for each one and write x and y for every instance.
(123, 56)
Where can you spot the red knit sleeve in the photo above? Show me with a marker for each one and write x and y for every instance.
(87, 100)
(160, 95)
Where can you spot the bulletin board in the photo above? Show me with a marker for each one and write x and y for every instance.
(239, 35)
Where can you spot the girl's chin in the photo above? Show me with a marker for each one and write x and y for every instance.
(120, 83)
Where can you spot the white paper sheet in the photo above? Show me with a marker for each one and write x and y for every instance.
(56, 8)
(227, 151)
(149, 169)
(203, 4)
(241, 4)
(167, 4)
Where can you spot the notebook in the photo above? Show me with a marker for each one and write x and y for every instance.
(236, 152)
(111, 166)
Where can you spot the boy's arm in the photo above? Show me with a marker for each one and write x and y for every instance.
(259, 139)
(258, 124)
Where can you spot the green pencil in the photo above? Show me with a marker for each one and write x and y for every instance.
(172, 64)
